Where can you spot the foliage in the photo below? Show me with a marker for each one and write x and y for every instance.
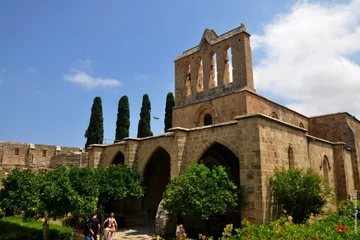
(19, 192)
(84, 181)
(119, 181)
(170, 103)
(56, 193)
(347, 208)
(50, 194)
(333, 227)
(123, 119)
(14, 228)
(299, 193)
(202, 192)
(56, 196)
(144, 129)
(95, 130)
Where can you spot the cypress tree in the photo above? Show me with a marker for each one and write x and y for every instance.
(123, 119)
(95, 130)
(170, 103)
(144, 129)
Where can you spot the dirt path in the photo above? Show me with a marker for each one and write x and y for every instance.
(143, 232)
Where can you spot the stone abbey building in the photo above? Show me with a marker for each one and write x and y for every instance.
(220, 119)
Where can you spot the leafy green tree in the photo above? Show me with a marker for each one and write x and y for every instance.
(202, 192)
(53, 194)
(48, 194)
(170, 103)
(117, 182)
(123, 119)
(95, 130)
(144, 129)
(18, 191)
(299, 193)
(85, 182)
(56, 198)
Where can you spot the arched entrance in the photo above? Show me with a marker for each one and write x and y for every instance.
(118, 159)
(156, 177)
(218, 154)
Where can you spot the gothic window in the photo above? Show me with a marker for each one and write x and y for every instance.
(228, 76)
(213, 71)
(44, 153)
(17, 151)
(301, 125)
(325, 168)
(207, 119)
(274, 115)
(188, 78)
(199, 75)
(291, 157)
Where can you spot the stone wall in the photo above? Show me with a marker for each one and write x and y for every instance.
(261, 144)
(222, 109)
(259, 104)
(339, 127)
(78, 159)
(276, 138)
(25, 153)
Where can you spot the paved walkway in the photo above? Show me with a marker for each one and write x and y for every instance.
(141, 232)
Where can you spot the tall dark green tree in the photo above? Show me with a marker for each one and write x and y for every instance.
(170, 103)
(95, 130)
(144, 129)
(123, 119)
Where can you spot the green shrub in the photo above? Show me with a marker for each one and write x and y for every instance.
(301, 193)
(14, 228)
(333, 227)
(347, 208)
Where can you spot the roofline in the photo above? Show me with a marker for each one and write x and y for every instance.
(184, 54)
(338, 113)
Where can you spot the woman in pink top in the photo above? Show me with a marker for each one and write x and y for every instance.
(112, 224)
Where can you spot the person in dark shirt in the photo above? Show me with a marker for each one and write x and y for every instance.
(88, 232)
(95, 226)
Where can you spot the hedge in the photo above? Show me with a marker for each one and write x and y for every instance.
(14, 228)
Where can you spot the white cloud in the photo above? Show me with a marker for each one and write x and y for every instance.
(80, 76)
(308, 57)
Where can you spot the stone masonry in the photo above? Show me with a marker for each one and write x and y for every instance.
(219, 118)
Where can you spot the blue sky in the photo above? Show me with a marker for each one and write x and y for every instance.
(122, 48)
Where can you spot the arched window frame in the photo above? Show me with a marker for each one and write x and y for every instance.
(274, 115)
(291, 157)
(208, 119)
(199, 74)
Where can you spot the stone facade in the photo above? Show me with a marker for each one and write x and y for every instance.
(35, 156)
(220, 119)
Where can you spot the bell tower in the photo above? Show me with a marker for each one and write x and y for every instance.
(217, 64)
(217, 67)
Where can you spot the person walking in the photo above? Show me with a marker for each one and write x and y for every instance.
(111, 223)
(95, 226)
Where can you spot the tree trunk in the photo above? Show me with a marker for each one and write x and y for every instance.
(46, 227)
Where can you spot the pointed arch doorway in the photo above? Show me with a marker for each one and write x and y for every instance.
(218, 154)
(155, 178)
